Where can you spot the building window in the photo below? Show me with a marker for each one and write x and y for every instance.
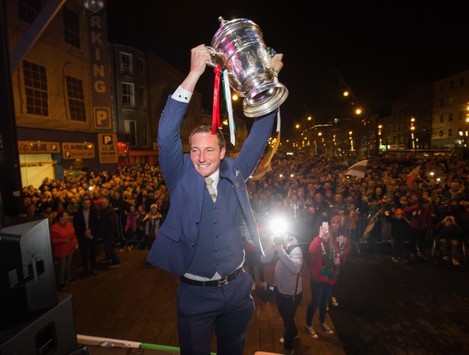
(130, 130)
(28, 10)
(142, 95)
(450, 132)
(144, 134)
(76, 99)
(128, 95)
(442, 119)
(71, 27)
(141, 66)
(441, 134)
(127, 65)
(450, 117)
(35, 85)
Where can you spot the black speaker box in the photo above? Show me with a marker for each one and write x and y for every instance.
(52, 332)
(27, 280)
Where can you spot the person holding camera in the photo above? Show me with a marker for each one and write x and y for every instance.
(323, 275)
(288, 282)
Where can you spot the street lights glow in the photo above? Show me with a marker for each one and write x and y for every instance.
(412, 134)
(93, 5)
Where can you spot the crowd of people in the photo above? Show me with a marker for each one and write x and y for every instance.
(311, 190)
(409, 217)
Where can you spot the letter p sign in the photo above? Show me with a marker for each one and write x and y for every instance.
(108, 139)
(102, 117)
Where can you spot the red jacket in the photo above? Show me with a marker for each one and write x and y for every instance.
(63, 238)
(317, 260)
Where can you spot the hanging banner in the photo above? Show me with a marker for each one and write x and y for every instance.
(100, 70)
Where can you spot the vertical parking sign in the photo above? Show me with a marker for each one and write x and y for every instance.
(107, 146)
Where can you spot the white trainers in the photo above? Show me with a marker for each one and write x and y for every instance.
(334, 302)
(311, 331)
(325, 328)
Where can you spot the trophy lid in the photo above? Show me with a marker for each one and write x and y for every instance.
(227, 28)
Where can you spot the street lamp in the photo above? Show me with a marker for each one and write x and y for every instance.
(412, 133)
(350, 137)
(93, 5)
(380, 136)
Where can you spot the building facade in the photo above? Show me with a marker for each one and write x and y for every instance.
(62, 89)
(450, 109)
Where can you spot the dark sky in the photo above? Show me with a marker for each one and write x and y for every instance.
(376, 48)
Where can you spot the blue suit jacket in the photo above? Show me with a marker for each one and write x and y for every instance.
(175, 243)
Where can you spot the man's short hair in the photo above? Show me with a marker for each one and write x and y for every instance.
(208, 129)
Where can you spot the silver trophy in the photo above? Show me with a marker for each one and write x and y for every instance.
(238, 47)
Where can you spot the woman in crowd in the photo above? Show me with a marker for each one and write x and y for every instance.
(342, 242)
(323, 275)
(64, 243)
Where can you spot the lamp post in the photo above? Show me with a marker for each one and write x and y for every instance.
(380, 137)
(350, 137)
(412, 134)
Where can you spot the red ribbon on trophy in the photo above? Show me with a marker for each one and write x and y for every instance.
(216, 123)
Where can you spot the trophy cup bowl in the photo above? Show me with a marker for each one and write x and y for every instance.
(238, 46)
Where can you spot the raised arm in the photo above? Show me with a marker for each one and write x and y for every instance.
(200, 57)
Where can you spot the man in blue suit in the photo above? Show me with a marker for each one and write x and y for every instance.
(200, 239)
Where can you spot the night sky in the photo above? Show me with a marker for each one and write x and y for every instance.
(375, 49)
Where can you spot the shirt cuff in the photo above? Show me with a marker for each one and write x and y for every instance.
(182, 95)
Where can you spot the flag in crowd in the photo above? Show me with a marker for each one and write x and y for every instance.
(371, 224)
(357, 169)
(412, 176)
(265, 164)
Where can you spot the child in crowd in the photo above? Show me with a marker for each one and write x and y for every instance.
(152, 225)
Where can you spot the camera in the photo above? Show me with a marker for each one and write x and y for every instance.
(277, 240)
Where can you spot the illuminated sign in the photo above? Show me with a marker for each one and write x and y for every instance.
(107, 146)
(100, 70)
(78, 150)
(38, 147)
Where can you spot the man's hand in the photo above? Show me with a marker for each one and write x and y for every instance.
(200, 57)
(276, 63)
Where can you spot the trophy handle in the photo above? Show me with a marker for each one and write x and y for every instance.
(215, 55)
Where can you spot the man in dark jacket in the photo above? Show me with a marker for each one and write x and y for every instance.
(85, 222)
(200, 239)
(108, 232)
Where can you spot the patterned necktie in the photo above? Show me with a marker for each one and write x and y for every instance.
(211, 190)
